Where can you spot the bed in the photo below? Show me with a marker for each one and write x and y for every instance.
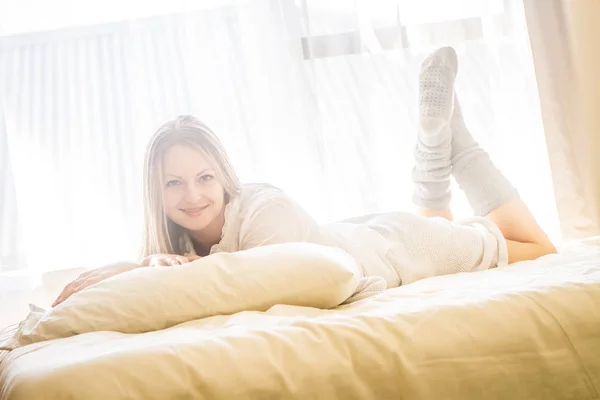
(527, 331)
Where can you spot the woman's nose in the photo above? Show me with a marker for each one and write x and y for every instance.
(193, 193)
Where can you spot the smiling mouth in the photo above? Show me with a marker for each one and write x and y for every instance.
(194, 211)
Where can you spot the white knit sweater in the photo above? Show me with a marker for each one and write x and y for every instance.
(392, 248)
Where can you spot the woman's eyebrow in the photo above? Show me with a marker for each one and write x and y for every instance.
(199, 173)
(205, 170)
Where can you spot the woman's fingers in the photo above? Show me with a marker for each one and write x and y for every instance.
(85, 284)
(177, 260)
(86, 274)
(66, 292)
(162, 262)
(75, 286)
(62, 297)
(159, 262)
(88, 278)
(169, 260)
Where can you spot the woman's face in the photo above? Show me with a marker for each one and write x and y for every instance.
(193, 197)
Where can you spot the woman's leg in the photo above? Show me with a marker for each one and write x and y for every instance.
(493, 196)
(445, 145)
(431, 173)
(524, 237)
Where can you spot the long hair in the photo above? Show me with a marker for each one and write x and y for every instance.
(161, 235)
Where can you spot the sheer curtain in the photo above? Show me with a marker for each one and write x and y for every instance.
(564, 41)
(317, 97)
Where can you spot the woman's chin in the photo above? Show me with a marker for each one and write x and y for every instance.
(195, 226)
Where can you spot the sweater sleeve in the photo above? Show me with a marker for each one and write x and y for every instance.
(272, 218)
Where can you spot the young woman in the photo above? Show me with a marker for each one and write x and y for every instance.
(195, 204)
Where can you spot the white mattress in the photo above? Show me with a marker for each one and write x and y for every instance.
(528, 331)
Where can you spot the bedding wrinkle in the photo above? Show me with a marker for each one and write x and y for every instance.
(591, 387)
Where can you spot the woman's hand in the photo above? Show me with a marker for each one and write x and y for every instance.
(99, 274)
(93, 276)
(166, 260)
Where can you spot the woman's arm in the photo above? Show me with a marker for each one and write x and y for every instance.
(93, 276)
(277, 218)
(166, 260)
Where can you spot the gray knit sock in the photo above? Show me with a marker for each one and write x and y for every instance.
(431, 173)
(485, 186)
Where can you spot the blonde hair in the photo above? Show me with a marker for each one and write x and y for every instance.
(161, 235)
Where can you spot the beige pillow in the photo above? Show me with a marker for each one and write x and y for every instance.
(149, 299)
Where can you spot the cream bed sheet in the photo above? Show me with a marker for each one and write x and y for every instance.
(528, 331)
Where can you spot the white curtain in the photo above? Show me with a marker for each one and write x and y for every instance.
(564, 41)
(313, 96)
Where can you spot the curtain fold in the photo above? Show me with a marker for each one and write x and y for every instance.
(563, 37)
(11, 255)
(335, 131)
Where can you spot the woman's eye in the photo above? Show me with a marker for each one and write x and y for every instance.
(173, 182)
(206, 178)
